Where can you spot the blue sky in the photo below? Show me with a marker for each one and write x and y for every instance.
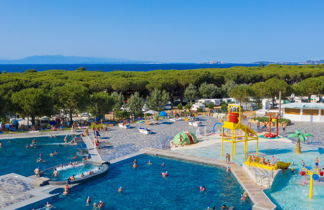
(164, 30)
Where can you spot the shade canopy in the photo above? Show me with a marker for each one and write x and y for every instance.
(150, 112)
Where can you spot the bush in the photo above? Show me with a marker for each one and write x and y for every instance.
(122, 114)
(224, 106)
(188, 106)
(180, 106)
(200, 110)
(210, 106)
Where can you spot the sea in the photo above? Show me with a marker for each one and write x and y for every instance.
(113, 67)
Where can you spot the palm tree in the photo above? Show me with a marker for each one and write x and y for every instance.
(302, 137)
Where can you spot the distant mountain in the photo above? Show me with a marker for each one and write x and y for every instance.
(60, 59)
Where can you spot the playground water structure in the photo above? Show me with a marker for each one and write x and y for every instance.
(145, 188)
(14, 154)
(287, 191)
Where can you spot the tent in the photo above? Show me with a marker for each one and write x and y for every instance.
(184, 138)
(163, 114)
(152, 112)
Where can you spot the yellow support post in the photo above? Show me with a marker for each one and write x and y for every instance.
(311, 182)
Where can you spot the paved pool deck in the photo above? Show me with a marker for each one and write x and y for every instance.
(17, 191)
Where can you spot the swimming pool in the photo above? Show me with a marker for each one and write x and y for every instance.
(16, 158)
(287, 191)
(144, 187)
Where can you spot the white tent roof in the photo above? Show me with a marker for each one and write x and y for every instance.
(151, 112)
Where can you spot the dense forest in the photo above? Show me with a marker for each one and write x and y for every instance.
(35, 93)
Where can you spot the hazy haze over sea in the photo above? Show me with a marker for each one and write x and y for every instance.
(113, 67)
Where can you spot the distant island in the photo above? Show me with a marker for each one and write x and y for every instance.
(61, 59)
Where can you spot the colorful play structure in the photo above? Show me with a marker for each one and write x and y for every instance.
(216, 124)
(261, 162)
(232, 131)
(273, 118)
(184, 138)
(314, 174)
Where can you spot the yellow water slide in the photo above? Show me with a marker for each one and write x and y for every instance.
(246, 129)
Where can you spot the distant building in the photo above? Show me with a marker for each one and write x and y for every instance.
(307, 112)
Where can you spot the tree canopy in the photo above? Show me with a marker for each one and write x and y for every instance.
(70, 90)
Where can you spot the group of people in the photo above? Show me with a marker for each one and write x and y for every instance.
(100, 204)
(263, 160)
(73, 141)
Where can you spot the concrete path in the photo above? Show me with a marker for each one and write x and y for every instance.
(95, 156)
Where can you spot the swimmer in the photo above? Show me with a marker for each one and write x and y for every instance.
(303, 163)
(82, 175)
(94, 206)
(149, 163)
(88, 200)
(66, 190)
(55, 173)
(202, 188)
(48, 205)
(36, 172)
(51, 154)
(72, 178)
(224, 206)
(163, 164)
(292, 170)
(100, 204)
(134, 165)
(164, 174)
(120, 189)
(1, 144)
(66, 139)
(55, 152)
(244, 196)
(228, 169)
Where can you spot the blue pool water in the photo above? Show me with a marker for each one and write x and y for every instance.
(287, 191)
(144, 187)
(15, 158)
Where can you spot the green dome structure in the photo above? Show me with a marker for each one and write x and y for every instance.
(184, 138)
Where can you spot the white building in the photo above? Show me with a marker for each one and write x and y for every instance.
(307, 112)
(197, 106)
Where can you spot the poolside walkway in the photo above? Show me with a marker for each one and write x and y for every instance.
(256, 194)
(95, 156)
